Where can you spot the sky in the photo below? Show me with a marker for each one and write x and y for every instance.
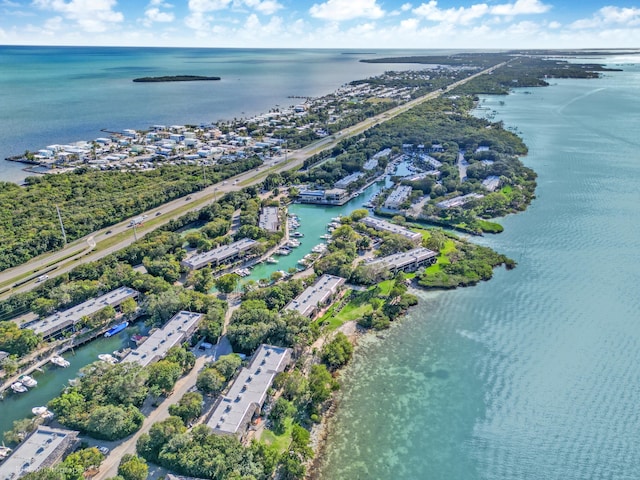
(343, 24)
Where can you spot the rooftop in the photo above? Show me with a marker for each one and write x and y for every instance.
(219, 254)
(40, 449)
(379, 224)
(249, 390)
(61, 320)
(269, 219)
(400, 260)
(174, 332)
(318, 293)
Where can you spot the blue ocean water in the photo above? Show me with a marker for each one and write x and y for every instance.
(534, 374)
(63, 94)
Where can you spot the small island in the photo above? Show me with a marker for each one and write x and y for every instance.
(175, 78)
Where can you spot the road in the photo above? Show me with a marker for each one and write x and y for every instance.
(101, 243)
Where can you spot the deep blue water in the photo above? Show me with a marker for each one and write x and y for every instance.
(63, 94)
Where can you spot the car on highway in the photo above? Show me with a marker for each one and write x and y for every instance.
(107, 232)
(158, 213)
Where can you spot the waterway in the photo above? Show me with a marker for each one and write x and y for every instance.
(313, 224)
(534, 374)
(52, 380)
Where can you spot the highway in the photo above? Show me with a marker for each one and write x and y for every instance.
(116, 237)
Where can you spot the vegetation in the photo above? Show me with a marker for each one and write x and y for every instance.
(133, 467)
(188, 408)
(76, 466)
(337, 352)
(199, 453)
(91, 200)
(17, 341)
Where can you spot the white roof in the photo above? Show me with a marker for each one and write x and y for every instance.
(38, 450)
(61, 320)
(318, 293)
(249, 390)
(158, 344)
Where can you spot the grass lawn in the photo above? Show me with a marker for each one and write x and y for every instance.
(280, 441)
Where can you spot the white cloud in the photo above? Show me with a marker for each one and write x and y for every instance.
(266, 7)
(521, 7)
(202, 6)
(461, 15)
(92, 16)
(339, 10)
(608, 16)
(156, 15)
(406, 7)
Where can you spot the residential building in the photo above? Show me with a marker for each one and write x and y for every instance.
(398, 196)
(314, 297)
(233, 412)
(219, 255)
(175, 332)
(334, 196)
(458, 201)
(491, 182)
(384, 226)
(270, 219)
(371, 164)
(348, 180)
(43, 448)
(406, 261)
(58, 322)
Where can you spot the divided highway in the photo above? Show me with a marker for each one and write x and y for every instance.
(103, 242)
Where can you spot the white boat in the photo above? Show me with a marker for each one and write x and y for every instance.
(283, 251)
(59, 361)
(319, 248)
(18, 387)
(326, 236)
(293, 243)
(28, 381)
(271, 260)
(297, 234)
(4, 452)
(106, 357)
(41, 412)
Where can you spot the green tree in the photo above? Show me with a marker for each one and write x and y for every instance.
(150, 444)
(112, 422)
(338, 351)
(228, 282)
(321, 384)
(164, 375)
(188, 408)
(128, 307)
(133, 467)
(281, 411)
(228, 364)
(210, 381)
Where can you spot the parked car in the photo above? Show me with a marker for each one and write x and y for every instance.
(103, 450)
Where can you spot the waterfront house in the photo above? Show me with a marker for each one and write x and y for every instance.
(220, 255)
(42, 448)
(316, 296)
(175, 332)
(397, 197)
(59, 322)
(406, 261)
(384, 226)
(233, 412)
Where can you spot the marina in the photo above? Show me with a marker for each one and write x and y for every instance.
(51, 378)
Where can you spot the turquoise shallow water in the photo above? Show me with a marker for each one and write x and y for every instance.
(533, 375)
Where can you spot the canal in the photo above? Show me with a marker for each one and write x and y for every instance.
(52, 379)
(313, 224)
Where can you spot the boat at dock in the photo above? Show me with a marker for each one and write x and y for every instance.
(271, 260)
(117, 329)
(4, 452)
(243, 272)
(28, 381)
(107, 357)
(283, 251)
(59, 361)
(42, 412)
(18, 387)
(297, 234)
